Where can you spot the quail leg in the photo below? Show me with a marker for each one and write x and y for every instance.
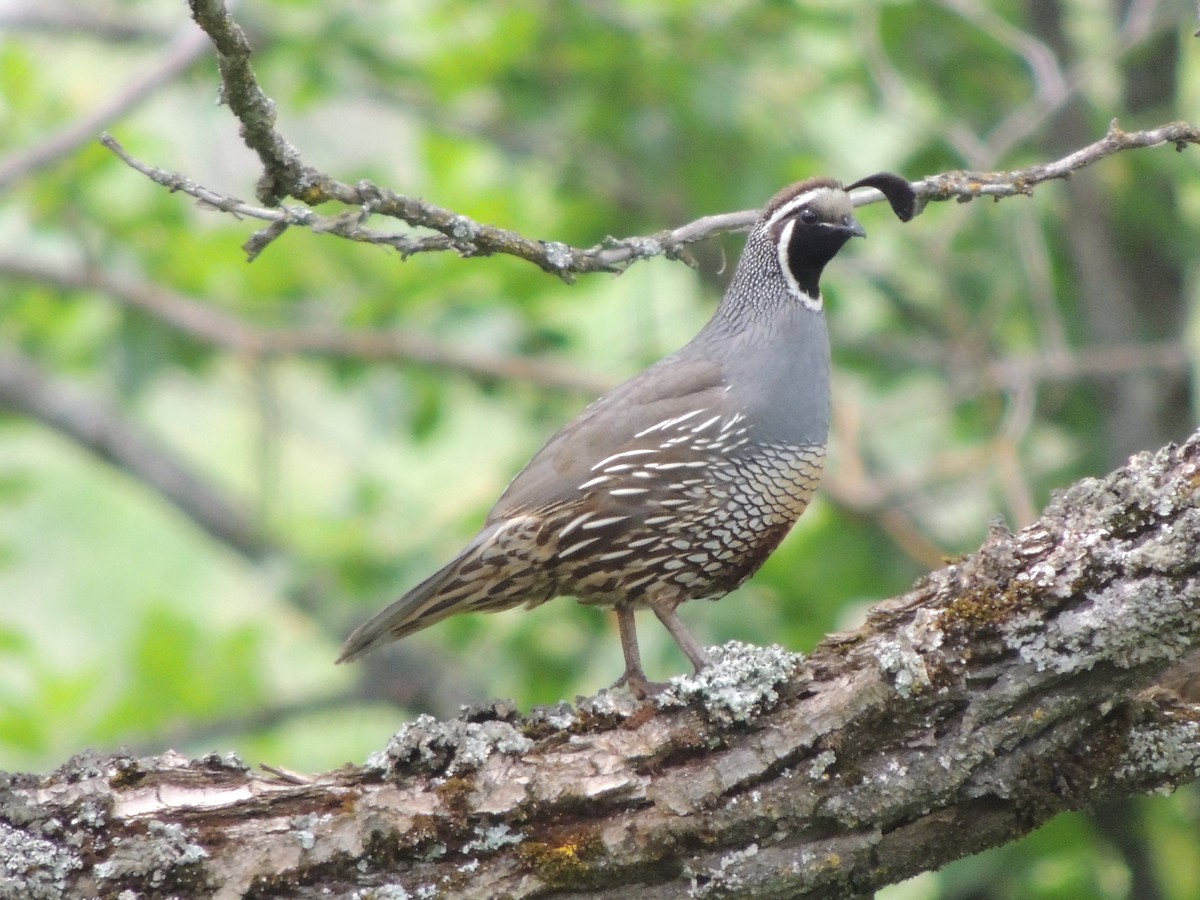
(688, 644)
(635, 676)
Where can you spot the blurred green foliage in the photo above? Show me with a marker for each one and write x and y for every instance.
(985, 353)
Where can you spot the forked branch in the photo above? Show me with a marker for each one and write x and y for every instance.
(434, 228)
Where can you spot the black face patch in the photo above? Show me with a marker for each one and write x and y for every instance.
(810, 246)
(809, 229)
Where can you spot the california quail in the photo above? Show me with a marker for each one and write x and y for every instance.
(679, 483)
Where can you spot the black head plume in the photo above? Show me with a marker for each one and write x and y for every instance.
(897, 190)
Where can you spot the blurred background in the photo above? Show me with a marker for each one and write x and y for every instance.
(211, 470)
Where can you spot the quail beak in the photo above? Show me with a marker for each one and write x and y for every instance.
(852, 227)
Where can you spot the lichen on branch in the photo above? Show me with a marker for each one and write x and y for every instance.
(1014, 684)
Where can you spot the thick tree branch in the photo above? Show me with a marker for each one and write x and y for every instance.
(1000, 691)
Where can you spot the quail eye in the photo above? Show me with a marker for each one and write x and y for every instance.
(808, 216)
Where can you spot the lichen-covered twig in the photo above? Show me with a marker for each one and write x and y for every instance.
(467, 237)
(966, 186)
(434, 228)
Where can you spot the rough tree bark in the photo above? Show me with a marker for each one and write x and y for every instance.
(1001, 690)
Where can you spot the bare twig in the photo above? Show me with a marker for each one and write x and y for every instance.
(966, 186)
(94, 24)
(180, 55)
(284, 173)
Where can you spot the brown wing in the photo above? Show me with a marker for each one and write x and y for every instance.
(554, 476)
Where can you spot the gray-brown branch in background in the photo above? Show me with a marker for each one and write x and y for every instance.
(98, 427)
(93, 423)
(1001, 690)
(180, 55)
(223, 330)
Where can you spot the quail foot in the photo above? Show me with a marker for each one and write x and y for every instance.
(679, 483)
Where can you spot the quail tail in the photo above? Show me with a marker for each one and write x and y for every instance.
(412, 612)
(496, 571)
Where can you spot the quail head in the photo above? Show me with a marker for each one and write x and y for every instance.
(679, 483)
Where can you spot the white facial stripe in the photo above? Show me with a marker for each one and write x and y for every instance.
(789, 208)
